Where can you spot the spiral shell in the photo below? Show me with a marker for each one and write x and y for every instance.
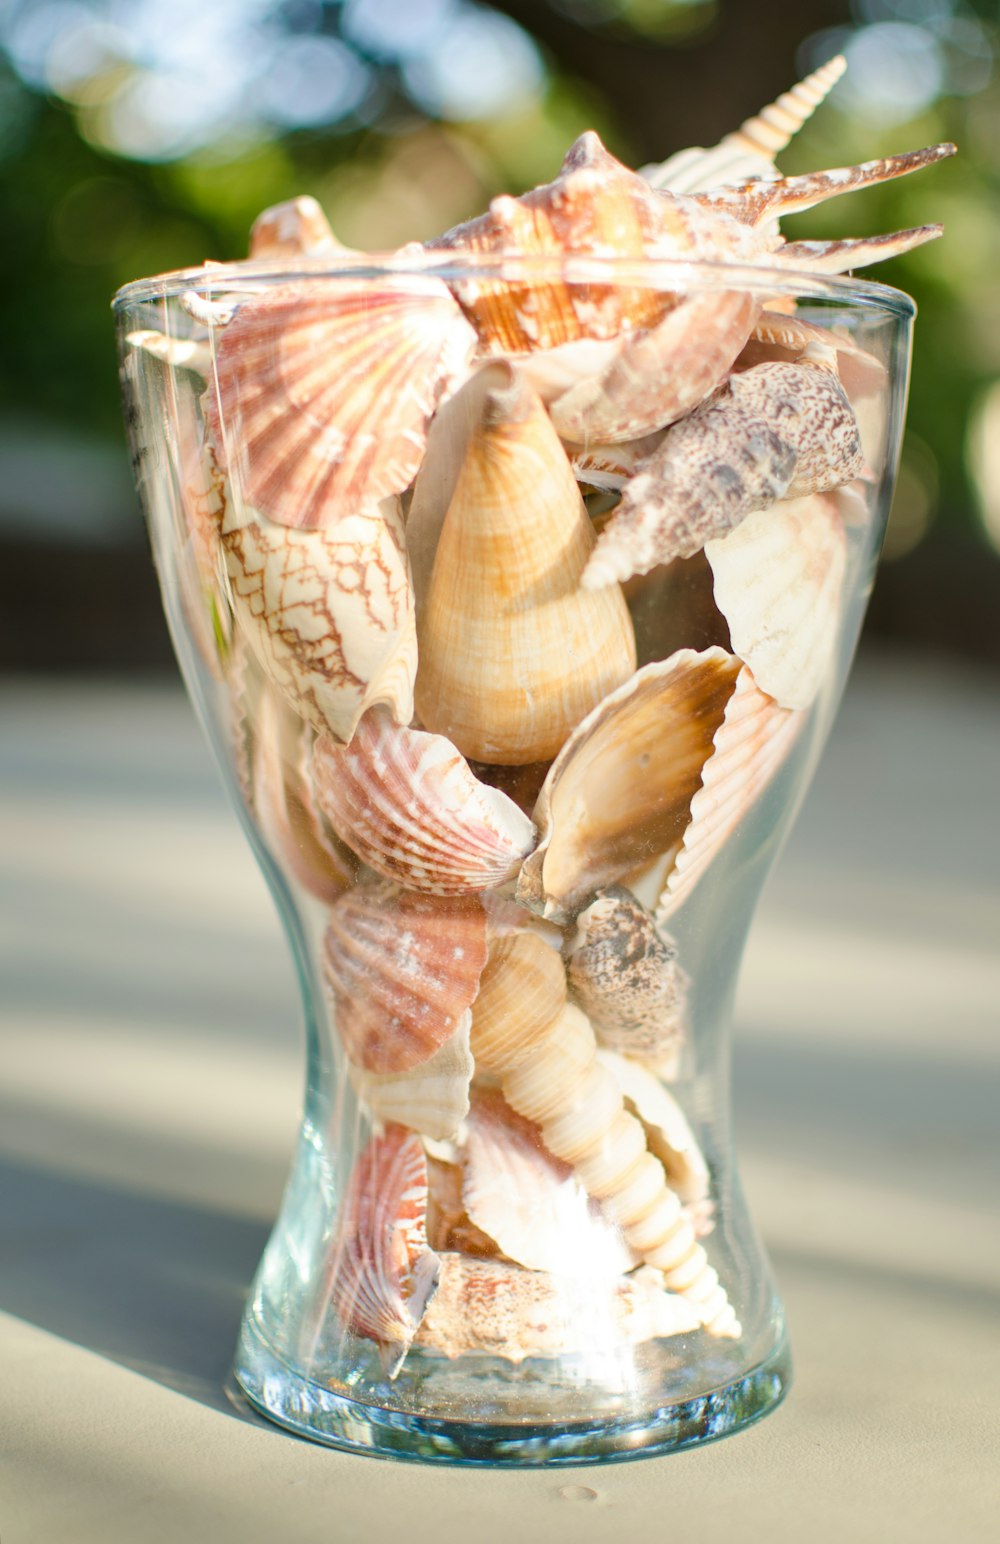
(668, 1135)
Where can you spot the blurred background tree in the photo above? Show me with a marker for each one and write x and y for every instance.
(143, 135)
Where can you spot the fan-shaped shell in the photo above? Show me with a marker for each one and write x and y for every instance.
(382, 1274)
(402, 970)
(431, 1098)
(626, 977)
(512, 652)
(754, 739)
(778, 582)
(408, 804)
(323, 391)
(668, 1134)
(620, 791)
(530, 1202)
(328, 614)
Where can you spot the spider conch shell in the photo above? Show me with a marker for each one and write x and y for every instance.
(323, 391)
(328, 614)
(402, 971)
(626, 978)
(408, 804)
(431, 1098)
(296, 228)
(512, 652)
(382, 1273)
(620, 790)
(779, 578)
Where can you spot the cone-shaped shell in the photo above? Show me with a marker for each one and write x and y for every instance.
(512, 653)
(620, 791)
(408, 804)
(753, 741)
(382, 1273)
(328, 614)
(432, 1098)
(402, 970)
(668, 1134)
(323, 392)
(626, 977)
(530, 1202)
(521, 991)
(778, 582)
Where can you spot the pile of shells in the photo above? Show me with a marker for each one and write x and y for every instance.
(453, 731)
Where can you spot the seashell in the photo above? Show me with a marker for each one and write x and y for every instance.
(491, 1307)
(778, 582)
(323, 391)
(448, 1226)
(328, 614)
(750, 150)
(402, 971)
(778, 336)
(382, 1273)
(752, 742)
(181, 353)
(610, 466)
(521, 784)
(668, 1135)
(529, 1202)
(284, 803)
(595, 206)
(620, 790)
(408, 804)
(521, 991)
(626, 977)
(431, 1098)
(202, 586)
(296, 228)
(774, 430)
(512, 653)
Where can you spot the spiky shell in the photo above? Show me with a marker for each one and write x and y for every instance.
(402, 971)
(328, 614)
(620, 791)
(626, 977)
(296, 228)
(779, 578)
(408, 804)
(382, 1273)
(323, 391)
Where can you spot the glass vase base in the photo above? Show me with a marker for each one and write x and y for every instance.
(312, 1410)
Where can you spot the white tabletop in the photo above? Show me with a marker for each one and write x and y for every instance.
(150, 1072)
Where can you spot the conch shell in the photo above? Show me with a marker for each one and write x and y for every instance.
(512, 653)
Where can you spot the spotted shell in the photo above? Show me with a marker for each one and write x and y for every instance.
(402, 971)
(323, 391)
(382, 1273)
(408, 804)
(625, 976)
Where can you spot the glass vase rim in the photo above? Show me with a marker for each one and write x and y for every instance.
(668, 274)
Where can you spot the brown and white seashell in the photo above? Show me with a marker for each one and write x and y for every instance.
(668, 1135)
(323, 391)
(778, 581)
(408, 804)
(402, 971)
(620, 790)
(751, 149)
(431, 1098)
(328, 614)
(753, 741)
(774, 430)
(512, 652)
(296, 228)
(626, 978)
(491, 1307)
(531, 1203)
(448, 1225)
(382, 1273)
(610, 467)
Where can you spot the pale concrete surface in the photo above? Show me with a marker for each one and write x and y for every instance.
(150, 1079)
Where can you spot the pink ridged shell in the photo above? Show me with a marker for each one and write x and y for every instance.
(408, 804)
(403, 970)
(323, 392)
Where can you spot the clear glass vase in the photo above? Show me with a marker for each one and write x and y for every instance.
(515, 805)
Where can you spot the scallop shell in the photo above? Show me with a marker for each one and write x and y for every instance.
(431, 1098)
(402, 971)
(778, 582)
(626, 977)
(753, 741)
(382, 1273)
(328, 614)
(512, 652)
(668, 1135)
(296, 228)
(488, 1306)
(620, 791)
(408, 804)
(323, 391)
(531, 1203)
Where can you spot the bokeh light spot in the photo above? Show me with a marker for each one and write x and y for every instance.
(311, 80)
(485, 65)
